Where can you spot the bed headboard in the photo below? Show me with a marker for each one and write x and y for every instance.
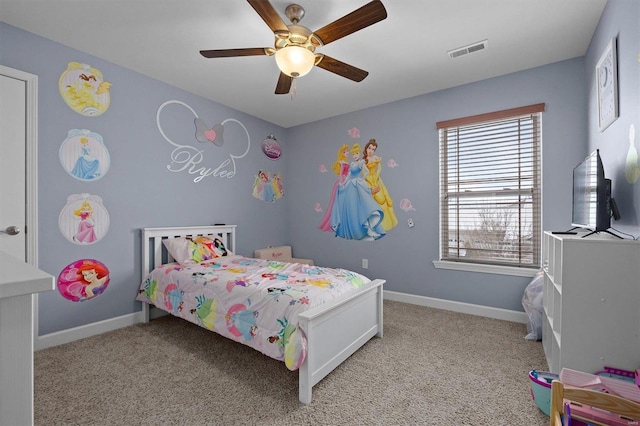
(154, 252)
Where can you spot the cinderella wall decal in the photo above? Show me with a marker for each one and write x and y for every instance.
(84, 156)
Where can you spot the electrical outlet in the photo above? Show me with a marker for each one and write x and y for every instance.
(365, 263)
(410, 223)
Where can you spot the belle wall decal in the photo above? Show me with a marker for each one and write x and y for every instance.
(84, 90)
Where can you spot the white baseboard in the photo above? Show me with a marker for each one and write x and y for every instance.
(84, 331)
(462, 307)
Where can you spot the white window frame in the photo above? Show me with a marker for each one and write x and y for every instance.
(479, 266)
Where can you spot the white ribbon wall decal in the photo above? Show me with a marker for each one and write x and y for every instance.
(188, 158)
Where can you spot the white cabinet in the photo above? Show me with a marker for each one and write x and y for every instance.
(18, 282)
(591, 302)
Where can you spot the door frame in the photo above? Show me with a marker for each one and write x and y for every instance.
(31, 165)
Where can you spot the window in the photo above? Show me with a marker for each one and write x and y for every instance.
(490, 188)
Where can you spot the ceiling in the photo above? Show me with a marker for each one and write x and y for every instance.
(405, 54)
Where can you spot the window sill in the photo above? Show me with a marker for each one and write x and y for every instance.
(487, 269)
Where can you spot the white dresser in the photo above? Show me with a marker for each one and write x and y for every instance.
(18, 283)
(591, 302)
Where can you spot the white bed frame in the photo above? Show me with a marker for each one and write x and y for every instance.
(334, 330)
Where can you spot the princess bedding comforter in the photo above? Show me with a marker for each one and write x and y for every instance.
(252, 301)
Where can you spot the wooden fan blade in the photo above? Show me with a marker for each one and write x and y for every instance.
(269, 15)
(284, 84)
(345, 70)
(227, 53)
(360, 18)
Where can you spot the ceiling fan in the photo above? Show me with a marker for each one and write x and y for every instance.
(295, 45)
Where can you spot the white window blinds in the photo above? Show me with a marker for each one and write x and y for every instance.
(490, 191)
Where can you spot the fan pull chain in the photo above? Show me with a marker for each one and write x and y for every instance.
(294, 88)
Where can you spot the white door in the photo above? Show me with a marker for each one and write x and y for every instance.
(18, 164)
(12, 167)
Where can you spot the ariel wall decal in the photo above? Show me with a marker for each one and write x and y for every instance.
(191, 159)
(83, 280)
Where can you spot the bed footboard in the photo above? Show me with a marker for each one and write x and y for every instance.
(336, 330)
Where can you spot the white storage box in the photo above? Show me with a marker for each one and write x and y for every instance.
(281, 254)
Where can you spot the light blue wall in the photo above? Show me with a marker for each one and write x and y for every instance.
(137, 190)
(406, 132)
(621, 19)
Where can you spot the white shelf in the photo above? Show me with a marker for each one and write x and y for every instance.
(19, 278)
(591, 302)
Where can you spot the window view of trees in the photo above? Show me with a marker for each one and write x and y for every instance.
(496, 235)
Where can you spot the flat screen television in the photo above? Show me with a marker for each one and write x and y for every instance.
(592, 205)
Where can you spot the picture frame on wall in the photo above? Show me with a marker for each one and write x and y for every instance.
(607, 86)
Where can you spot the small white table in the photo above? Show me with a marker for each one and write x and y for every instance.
(19, 281)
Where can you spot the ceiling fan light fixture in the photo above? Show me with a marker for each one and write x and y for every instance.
(295, 61)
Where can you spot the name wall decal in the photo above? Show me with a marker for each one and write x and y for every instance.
(192, 159)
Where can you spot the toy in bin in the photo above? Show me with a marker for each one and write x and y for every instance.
(611, 380)
(617, 373)
(541, 389)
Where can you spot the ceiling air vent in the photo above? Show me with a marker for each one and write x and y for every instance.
(461, 51)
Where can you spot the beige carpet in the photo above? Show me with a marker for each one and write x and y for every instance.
(432, 367)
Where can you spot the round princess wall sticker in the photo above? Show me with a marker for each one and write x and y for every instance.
(83, 279)
(84, 90)
(84, 220)
(84, 156)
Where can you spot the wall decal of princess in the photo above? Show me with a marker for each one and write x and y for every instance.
(268, 186)
(84, 220)
(341, 168)
(378, 189)
(278, 186)
(84, 90)
(83, 155)
(83, 280)
(355, 215)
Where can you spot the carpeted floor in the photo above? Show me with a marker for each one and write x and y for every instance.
(433, 367)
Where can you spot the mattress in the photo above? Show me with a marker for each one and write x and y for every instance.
(253, 301)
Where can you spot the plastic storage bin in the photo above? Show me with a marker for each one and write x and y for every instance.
(541, 389)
